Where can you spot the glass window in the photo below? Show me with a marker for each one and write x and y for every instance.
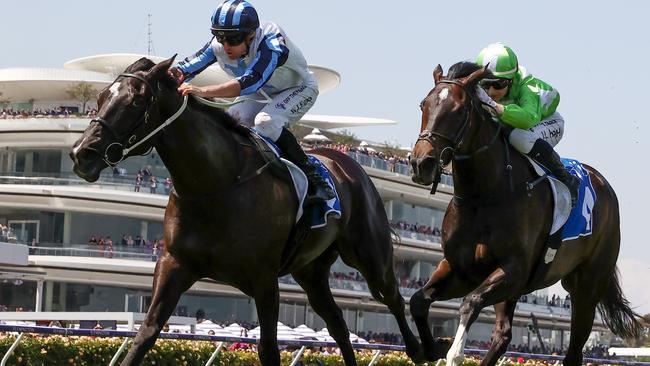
(17, 295)
(25, 230)
(420, 215)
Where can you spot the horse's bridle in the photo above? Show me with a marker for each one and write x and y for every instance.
(130, 137)
(457, 140)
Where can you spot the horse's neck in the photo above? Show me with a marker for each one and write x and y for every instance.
(199, 153)
(483, 174)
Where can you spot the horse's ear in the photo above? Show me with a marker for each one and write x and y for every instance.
(161, 68)
(437, 73)
(476, 75)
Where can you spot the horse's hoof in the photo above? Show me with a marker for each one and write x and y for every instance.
(416, 355)
(442, 345)
(432, 356)
(455, 360)
(439, 350)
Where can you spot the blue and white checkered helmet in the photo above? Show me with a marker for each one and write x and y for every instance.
(235, 16)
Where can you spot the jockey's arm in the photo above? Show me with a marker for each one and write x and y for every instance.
(270, 56)
(194, 64)
(229, 89)
(523, 114)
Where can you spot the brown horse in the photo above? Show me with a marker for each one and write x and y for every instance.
(493, 236)
(231, 215)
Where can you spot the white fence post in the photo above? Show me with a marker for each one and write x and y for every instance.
(119, 352)
(214, 354)
(11, 349)
(375, 357)
(297, 358)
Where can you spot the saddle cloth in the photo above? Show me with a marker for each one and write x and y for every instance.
(321, 211)
(575, 222)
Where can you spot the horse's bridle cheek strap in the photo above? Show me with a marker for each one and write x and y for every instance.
(429, 136)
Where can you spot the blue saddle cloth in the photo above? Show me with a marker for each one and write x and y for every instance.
(580, 220)
(320, 211)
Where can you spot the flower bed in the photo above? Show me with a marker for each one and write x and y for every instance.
(35, 350)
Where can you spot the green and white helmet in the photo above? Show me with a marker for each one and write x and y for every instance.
(501, 60)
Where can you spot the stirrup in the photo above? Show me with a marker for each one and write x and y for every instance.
(573, 184)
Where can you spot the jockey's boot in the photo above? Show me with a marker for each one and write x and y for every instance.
(543, 153)
(319, 190)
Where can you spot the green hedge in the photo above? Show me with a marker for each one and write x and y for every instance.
(35, 350)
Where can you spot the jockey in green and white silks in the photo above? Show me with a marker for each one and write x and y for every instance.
(527, 104)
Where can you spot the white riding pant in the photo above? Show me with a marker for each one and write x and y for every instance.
(285, 108)
(550, 130)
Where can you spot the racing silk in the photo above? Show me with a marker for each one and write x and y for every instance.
(273, 62)
(529, 101)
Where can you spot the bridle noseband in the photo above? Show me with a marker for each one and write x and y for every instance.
(130, 137)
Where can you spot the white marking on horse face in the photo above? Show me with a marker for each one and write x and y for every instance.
(76, 149)
(456, 353)
(114, 89)
(443, 94)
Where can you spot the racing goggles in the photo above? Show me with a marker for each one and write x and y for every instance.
(495, 83)
(232, 38)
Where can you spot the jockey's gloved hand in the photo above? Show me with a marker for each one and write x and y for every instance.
(485, 98)
(486, 102)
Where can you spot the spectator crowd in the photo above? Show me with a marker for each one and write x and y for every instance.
(106, 245)
(62, 112)
(7, 235)
(416, 228)
(553, 301)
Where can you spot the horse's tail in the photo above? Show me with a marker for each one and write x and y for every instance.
(615, 310)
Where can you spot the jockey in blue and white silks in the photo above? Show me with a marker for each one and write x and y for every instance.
(273, 63)
(264, 64)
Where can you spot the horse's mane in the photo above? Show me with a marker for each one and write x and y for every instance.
(463, 69)
(145, 64)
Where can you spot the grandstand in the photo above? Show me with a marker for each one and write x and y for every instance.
(46, 206)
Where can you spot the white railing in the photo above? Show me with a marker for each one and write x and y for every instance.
(300, 343)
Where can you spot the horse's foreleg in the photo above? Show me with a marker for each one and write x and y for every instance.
(502, 284)
(171, 279)
(502, 334)
(443, 284)
(267, 302)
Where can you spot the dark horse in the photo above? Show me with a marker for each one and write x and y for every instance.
(229, 218)
(493, 236)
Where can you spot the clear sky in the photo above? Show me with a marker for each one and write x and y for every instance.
(593, 52)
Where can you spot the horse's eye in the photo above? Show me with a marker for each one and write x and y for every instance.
(422, 104)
